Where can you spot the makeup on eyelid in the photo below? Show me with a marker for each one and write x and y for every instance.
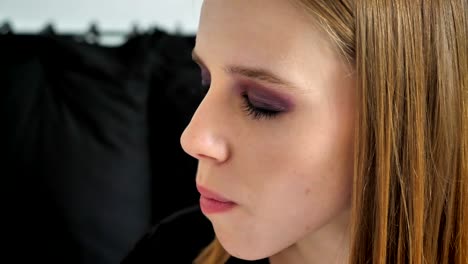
(205, 75)
(263, 97)
(258, 95)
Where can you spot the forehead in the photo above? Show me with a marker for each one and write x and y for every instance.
(244, 12)
(275, 35)
(247, 29)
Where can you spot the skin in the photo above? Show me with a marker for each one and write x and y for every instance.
(290, 173)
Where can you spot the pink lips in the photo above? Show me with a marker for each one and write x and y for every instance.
(211, 202)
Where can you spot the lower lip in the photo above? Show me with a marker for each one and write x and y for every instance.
(210, 206)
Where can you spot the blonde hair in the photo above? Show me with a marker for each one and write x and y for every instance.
(410, 191)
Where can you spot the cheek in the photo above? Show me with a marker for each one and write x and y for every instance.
(312, 170)
(296, 184)
(303, 189)
(299, 154)
(317, 184)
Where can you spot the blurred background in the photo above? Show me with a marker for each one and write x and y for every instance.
(94, 97)
(122, 15)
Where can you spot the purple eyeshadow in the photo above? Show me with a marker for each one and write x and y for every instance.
(266, 102)
(206, 78)
(262, 97)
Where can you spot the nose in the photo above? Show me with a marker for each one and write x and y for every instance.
(204, 138)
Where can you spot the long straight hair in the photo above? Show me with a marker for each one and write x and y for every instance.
(410, 191)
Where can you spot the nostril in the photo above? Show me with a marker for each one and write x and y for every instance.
(203, 156)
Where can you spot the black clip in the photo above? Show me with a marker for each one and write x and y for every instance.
(135, 31)
(93, 35)
(48, 30)
(6, 28)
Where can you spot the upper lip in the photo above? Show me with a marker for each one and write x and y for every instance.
(207, 193)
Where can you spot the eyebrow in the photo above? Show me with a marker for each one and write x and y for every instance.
(259, 74)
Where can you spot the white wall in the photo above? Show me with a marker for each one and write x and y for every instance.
(76, 15)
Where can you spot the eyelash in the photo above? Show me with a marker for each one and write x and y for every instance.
(256, 112)
(249, 108)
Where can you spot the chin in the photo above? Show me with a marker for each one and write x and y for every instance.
(248, 250)
(249, 256)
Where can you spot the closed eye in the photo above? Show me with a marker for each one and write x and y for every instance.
(257, 111)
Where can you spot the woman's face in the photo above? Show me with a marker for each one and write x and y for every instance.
(274, 133)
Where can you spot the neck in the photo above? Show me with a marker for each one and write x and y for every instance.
(329, 244)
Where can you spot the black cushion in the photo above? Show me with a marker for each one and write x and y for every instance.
(77, 170)
(175, 94)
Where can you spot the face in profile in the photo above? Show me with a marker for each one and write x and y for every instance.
(274, 133)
